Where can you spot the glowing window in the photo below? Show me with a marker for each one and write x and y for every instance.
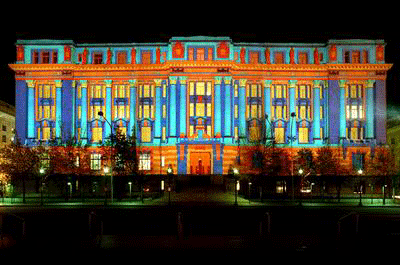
(97, 134)
(280, 135)
(146, 134)
(303, 135)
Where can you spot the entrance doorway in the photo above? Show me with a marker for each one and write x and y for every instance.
(200, 163)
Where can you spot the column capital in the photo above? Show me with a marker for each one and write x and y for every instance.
(342, 83)
(267, 83)
(83, 83)
(108, 82)
(31, 83)
(292, 83)
(158, 82)
(217, 80)
(370, 83)
(132, 82)
(242, 82)
(227, 80)
(182, 80)
(317, 83)
(58, 83)
(173, 79)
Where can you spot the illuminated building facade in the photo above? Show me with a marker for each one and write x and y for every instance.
(197, 103)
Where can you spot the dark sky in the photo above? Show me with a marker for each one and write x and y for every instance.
(240, 33)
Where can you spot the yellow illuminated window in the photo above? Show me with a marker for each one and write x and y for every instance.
(46, 133)
(280, 135)
(200, 109)
(303, 135)
(209, 109)
(354, 133)
(254, 133)
(97, 134)
(122, 130)
(191, 88)
(200, 87)
(146, 91)
(191, 111)
(146, 134)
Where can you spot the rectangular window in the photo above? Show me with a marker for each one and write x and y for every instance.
(95, 161)
(97, 134)
(303, 135)
(346, 57)
(146, 57)
(35, 59)
(355, 57)
(45, 57)
(55, 57)
(146, 134)
(303, 58)
(121, 57)
(144, 161)
(280, 135)
(254, 57)
(200, 54)
(190, 54)
(279, 58)
(97, 58)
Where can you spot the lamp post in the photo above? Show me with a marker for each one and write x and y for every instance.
(170, 172)
(360, 172)
(100, 113)
(130, 190)
(42, 171)
(237, 184)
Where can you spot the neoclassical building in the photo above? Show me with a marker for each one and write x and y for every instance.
(197, 103)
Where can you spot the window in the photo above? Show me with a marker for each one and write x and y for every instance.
(279, 58)
(355, 57)
(358, 160)
(254, 131)
(146, 101)
(97, 58)
(280, 135)
(144, 161)
(200, 54)
(146, 134)
(303, 58)
(254, 57)
(121, 57)
(365, 56)
(146, 57)
(45, 57)
(4, 127)
(97, 134)
(95, 161)
(35, 57)
(279, 91)
(303, 135)
(200, 107)
(346, 57)
(55, 57)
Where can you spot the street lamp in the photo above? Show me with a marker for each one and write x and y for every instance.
(42, 171)
(70, 189)
(237, 183)
(170, 171)
(360, 172)
(130, 190)
(101, 114)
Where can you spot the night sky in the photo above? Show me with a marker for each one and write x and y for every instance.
(237, 34)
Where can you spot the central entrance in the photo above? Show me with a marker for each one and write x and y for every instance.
(200, 163)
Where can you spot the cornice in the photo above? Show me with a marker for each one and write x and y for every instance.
(199, 64)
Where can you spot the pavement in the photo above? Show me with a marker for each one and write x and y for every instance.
(205, 195)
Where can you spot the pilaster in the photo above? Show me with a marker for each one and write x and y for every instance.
(217, 106)
(242, 107)
(369, 109)
(342, 110)
(108, 104)
(158, 114)
(316, 118)
(182, 105)
(267, 105)
(31, 108)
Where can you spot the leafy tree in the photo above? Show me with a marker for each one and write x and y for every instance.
(18, 162)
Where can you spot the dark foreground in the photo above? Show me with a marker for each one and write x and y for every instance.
(208, 229)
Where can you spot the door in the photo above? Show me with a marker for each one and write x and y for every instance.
(200, 163)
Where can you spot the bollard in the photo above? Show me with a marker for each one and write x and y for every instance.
(180, 226)
(265, 225)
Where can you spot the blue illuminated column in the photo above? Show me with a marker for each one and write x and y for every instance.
(292, 108)
(58, 108)
(267, 105)
(84, 111)
(242, 107)
(217, 105)
(158, 115)
(172, 109)
(370, 110)
(316, 118)
(31, 109)
(342, 110)
(132, 106)
(108, 106)
(182, 105)
(228, 106)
